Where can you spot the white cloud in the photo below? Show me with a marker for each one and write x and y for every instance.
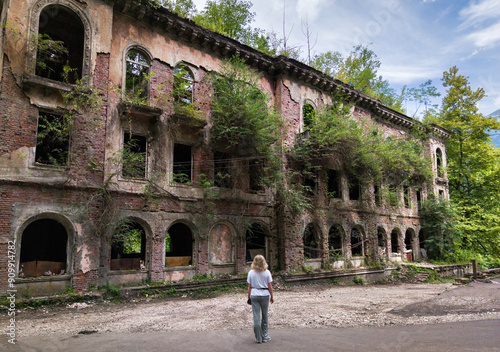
(480, 11)
(406, 74)
(486, 36)
(309, 8)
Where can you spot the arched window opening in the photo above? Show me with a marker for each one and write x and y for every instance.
(381, 242)
(311, 243)
(256, 242)
(422, 243)
(137, 71)
(128, 247)
(394, 241)
(308, 114)
(439, 162)
(183, 84)
(409, 244)
(335, 239)
(179, 245)
(43, 249)
(60, 44)
(356, 243)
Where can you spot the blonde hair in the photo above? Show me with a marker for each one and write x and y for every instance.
(259, 263)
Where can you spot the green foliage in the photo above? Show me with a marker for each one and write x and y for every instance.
(366, 153)
(438, 218)
(359, 69)
(228, 17)
(51, 58)
(111, 291)
(127, 239)
(52, 142)
(133, 159)
(243, 120)
(358, 280)
(473, 166)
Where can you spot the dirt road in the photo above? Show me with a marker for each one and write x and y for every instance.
(312, 306)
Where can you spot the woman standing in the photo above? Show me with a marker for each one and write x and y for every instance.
(260, 288)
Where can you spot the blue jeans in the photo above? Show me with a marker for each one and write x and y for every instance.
(260, 304)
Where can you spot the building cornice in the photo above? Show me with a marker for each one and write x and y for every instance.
(190, 32)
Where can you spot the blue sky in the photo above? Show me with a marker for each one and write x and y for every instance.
(415, 40)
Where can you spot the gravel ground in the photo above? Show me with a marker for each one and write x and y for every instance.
(315, 305)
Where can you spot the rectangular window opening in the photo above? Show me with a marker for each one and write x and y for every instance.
(354, 189)
(52, 140)
(407, 199)
(378, 195)
(183, 163)
(333, 185)
(222, 170)
(256, 170)
(134, 156)
(419, 199)
(310, 184)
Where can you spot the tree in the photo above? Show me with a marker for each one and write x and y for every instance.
(359, 70)
(423, 95)
(473, 165)
(228, 17)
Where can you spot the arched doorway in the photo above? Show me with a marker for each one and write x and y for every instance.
(179, 245)
(335, 242)
(255, 242)
(128, 247)
(395, 247)
(409, 244)
(356, 243)
(382, 243)
(311, 242)
(43, 249)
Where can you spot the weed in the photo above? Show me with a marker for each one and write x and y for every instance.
(358, 280)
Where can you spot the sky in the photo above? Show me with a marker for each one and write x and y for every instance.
(415, 40)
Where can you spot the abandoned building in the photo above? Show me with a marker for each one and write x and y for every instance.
(82, 81)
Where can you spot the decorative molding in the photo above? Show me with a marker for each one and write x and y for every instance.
(36, 10)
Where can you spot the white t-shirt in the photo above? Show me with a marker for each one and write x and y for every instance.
(259, 281)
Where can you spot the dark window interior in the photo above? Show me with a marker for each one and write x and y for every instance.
(381, 238)
(256, 242)
(256, 170)
(354, 189)
(419, 199)
(60, 44)
(407, 199)
(179, 241)
(378, 196)
(333, 186)
(222, 170)
(43, 248)
(134, 156)
(52, 140)
(394, 241)
(356, 243)
(439, 162)
(408, 239)
(310, 184)
(335, 241)
(311, 243)
(182, 163)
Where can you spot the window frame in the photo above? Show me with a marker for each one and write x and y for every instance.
(144, 52)
(35, 14)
